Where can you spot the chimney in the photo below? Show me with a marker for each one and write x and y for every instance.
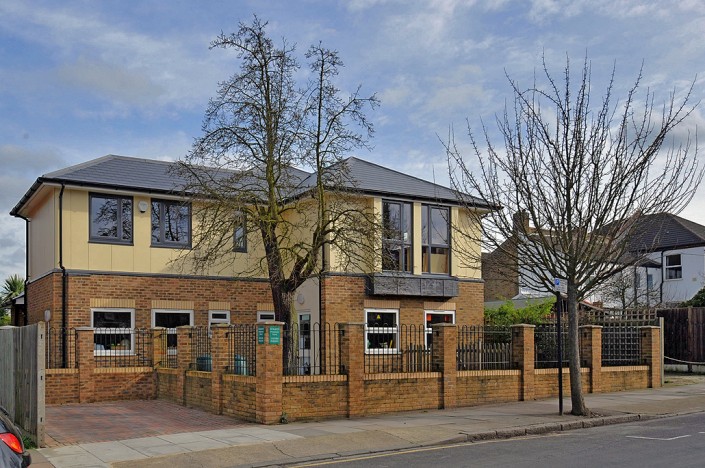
(521, 221)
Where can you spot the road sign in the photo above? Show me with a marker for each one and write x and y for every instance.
(560, 285)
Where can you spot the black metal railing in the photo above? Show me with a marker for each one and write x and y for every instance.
(546, 346)
(168, 343)
(61, 348)
(201, 359)
(312, 348)
(242, 350)
(122, 347)
(402, 348)
(621, 343)
(484, 347)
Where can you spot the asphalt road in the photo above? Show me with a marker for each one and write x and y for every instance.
(669, 442)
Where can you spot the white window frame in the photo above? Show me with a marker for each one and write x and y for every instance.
(382, 330)
(108, 331)
(429, 330)
(171, 331)
(264, 315)
(667, 267)
(212, 320)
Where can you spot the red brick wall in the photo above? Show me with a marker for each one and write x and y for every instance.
(239, 394)
(197, 391)
(615, 379)
(45, 294)
(130, 384)
(315, 400)
(500, 272)
(546, 382)
(406, 394)
(61, 386)
(482, 387)
(243, 295)
(167, 380)
(344, 302)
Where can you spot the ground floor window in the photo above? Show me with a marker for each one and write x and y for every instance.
(218, 316)
(437, 316)
(170, 319)
(113, 330)
(263, 315)
(382, 330)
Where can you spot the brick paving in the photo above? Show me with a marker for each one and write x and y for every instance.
(103, 422)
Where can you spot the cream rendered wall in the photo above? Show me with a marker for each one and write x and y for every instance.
(335, 257)
(43, 235)
(465, 247)
(141, 257)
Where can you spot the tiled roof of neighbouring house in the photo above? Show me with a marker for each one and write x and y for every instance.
(664, 231)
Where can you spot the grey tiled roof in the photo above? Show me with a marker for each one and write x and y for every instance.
(373, 179)
(153, 176)
(664, 231)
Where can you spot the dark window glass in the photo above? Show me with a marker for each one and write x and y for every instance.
(111, 218)
(171, 320)
(171, 223)
(396, 236)
(435, 239)
(240, 236)
(674, 268)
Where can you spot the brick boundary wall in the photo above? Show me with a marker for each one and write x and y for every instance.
(270, 397)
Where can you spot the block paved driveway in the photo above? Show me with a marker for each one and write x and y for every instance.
(119, 420)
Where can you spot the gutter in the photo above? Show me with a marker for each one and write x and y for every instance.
(26, 268)
(64, 279)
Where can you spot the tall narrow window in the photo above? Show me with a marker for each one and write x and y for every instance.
(171, 223)
(396, 236)
(111, 218)
(674, 268)
(435, 239)
(240, 235)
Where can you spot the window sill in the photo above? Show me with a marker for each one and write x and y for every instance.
(171, 246)
(110, 242)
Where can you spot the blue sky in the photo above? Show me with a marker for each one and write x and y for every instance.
(81, 79)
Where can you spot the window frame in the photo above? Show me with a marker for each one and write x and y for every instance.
(241, 223)
(429, 330)
(171, 331)
(163, 203)
(677, 268)
(109, 331)
(266, 315)
(426, 212)
(212, 321)
(401, 242)
(111, 240)
(393, 330)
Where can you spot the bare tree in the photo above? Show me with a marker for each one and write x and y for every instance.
(580, 176)
(261, 126)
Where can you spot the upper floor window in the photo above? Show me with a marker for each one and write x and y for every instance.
(111, 218)
(171, 223)
(674, 268)
(240, 236)
(435, 239)
(396, 236)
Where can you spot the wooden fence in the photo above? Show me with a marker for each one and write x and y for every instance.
(684, 335)
(22, 377)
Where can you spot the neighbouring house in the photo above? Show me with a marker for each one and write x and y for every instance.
(103, 235)
(669, 267)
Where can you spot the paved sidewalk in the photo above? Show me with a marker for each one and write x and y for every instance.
(257, 445)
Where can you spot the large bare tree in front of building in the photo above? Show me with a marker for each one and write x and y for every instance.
(270, 118)
(575, 172)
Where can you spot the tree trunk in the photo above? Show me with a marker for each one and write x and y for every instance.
(576, 385)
